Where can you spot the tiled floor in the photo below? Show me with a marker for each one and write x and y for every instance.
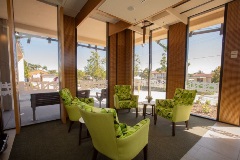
(221, 142)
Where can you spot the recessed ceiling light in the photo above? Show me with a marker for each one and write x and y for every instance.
(130, 8)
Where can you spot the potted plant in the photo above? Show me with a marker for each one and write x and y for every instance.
(149, 98)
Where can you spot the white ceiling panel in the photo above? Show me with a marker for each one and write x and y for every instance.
(167, 20)
(135, 10)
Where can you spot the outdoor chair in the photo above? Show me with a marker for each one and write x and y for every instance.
(101, 96)
(113, 139)
(123, 98)
(83, 94)
(177, 109)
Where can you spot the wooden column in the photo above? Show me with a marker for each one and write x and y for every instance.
(230, 92)
(60, 26)
(176, 58)
(70, 55)
(120, 61)
(13, 63)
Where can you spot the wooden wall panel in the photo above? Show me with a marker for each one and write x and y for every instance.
(70, 57)
(230, 93)
(112, 69)
(129, 57)
(121, 58)
(120, 61)
(176, 58)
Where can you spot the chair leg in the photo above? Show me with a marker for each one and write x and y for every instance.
(80, 133)
(70, 126)
(155, 118)
(129, 109)
(95, 153)
(186, 122)
(173, 128)
(136, 112)
(145, 150)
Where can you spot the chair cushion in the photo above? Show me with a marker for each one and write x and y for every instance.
(127, 104)
(165, 112)
(123, 92)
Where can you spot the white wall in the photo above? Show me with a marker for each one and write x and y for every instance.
(21, 70)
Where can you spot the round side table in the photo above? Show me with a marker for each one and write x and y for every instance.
(145, 104)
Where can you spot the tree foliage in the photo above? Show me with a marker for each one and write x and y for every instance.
(26, 69)
(137, 63)
(95, 67)
(80, 74)
(216, 74)
(163, 61)
(144, 74)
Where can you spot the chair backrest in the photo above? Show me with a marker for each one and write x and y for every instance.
(183, 96)
(102, 131)
(104, 93)
(123, 92)
(66, 96)
(72, 109)
(83, 94)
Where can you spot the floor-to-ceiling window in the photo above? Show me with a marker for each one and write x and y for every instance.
(7, 119)
(204, 61)
(141, 67)
(154, 58)
(38, 64)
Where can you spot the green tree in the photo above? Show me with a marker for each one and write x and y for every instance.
(199, 72)
(95, 67)
(144, 74)
(137, 63)
(216, 74)
(53, 72)
(80, 74)
(26, 69)
(44, 68)
(163, 62)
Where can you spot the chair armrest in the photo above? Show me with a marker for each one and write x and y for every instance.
(181, 113)
(168, 103)
(134, 98)
(73, 112)
(135, 142)
(116, 101)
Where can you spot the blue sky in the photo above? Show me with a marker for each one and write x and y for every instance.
(204, 53)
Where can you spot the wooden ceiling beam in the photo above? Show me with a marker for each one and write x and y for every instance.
(179, 16)
(87, 9)
(118, 27)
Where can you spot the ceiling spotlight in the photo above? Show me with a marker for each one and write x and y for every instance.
(49, 40)
(28, 40)
(130, 8)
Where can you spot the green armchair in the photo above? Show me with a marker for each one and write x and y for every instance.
(123, 99)
(177, 109)
(71, 107)
(113, 139)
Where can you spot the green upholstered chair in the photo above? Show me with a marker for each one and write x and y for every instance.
(177, 109)
(113, 139)
(71, 107)
(123, 98)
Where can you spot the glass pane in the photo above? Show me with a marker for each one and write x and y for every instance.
(91, 72)
(159, 69)
(6, 104)
(38, 66)
(204, 62)
(141, 67)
